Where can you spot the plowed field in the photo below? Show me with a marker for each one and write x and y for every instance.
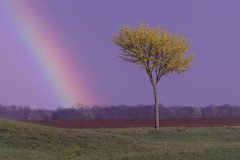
(126, 123)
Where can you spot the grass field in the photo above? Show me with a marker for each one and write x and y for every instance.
(23, 141)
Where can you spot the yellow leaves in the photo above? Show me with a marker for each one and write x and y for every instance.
(153, 48)
(165, 36)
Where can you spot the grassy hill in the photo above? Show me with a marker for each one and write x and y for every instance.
(22, 141)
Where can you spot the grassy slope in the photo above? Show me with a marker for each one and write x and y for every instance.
(21, 141)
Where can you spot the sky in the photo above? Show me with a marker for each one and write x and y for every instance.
(58, 53)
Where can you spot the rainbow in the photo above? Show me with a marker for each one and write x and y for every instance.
(49, 54)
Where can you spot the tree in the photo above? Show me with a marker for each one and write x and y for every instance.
(157, 51)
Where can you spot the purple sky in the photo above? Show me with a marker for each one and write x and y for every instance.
(88, 28)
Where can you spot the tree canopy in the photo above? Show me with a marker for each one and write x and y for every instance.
(156, 50)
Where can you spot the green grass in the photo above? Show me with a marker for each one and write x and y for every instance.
(22, 141)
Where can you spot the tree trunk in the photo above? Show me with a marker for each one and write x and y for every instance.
(156, 107)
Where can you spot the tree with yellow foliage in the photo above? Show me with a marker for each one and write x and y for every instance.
(157, 51)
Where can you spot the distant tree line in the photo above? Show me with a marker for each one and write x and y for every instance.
(119, 112)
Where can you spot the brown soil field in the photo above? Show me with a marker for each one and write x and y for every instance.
(127, 123)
